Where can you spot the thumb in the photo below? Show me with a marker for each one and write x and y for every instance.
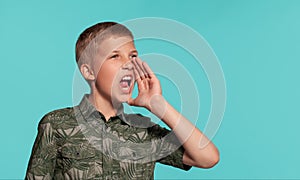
(130, 101)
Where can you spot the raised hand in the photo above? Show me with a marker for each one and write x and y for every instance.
(149, 88)
(150, 97)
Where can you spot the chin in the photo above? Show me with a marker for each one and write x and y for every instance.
(122, 98)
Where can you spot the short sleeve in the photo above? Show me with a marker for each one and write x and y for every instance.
(43, 156)
(170, 146)
(175, 159)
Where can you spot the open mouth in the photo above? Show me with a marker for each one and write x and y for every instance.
(125, 83)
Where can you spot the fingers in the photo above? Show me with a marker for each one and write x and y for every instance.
(142, 69)
(136, 73)
(139, 69)
(148, 70)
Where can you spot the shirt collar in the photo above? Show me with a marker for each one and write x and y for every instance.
(87, 109)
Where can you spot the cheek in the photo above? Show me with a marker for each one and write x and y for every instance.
(106, 76)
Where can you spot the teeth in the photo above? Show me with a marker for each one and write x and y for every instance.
(125, 78)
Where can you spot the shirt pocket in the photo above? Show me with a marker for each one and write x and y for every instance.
(77, 159)
(77, 152)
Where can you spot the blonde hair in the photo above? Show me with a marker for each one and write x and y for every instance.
(88, 42)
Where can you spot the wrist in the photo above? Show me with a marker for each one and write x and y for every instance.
(158, 105)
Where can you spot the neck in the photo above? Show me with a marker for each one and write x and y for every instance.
(104, 105)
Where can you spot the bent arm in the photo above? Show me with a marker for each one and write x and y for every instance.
(199, 150)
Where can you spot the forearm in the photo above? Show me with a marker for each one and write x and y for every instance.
(199, 150)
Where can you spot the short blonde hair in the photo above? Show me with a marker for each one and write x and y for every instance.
(89, 40)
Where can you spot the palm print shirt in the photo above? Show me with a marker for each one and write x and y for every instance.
(78, 143)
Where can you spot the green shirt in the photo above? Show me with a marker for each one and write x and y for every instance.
(78, 143)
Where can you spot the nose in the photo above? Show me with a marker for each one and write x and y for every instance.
(128, 65)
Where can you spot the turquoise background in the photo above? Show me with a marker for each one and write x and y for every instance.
(257, 43)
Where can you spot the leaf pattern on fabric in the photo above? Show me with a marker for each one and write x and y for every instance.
(68, 147)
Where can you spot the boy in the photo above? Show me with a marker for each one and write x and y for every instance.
(96, 139)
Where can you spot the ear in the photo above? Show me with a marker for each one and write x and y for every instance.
(87, 72)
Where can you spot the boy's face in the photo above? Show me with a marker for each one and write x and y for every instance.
(115, 78)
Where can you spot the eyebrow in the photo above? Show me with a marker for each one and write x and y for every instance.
(132, 51)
